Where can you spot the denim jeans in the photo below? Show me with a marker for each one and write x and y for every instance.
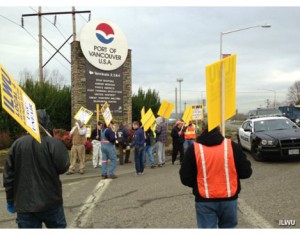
(54, 218)
(187, 143)
(138, 158)
(108, 153)
(148, 150)
(221, 214)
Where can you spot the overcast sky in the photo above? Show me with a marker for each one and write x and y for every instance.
(173, 42)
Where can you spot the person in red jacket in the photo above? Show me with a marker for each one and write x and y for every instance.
(213, 167)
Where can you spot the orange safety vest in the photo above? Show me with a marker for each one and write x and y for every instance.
(190, 133)
(216, 177)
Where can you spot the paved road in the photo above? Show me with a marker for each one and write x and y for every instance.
(158, 200)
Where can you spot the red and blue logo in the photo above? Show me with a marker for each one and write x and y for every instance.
(105, 33)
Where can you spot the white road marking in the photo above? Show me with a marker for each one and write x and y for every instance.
(82, 217)
(251, 216)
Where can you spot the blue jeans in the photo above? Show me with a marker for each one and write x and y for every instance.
(187, 143)
(212, 214)
(139, 159)
(108, 153)
(54, 218)
(148, 150)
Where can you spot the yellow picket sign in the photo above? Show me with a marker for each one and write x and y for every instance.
(84, 115)
(18, 105)
(143, 112)
(88, 131)
(230, 86)
(97, 112)
(197, 112)
(165, 109)
(213, 90)
(187, 115)
(148, 119)
(106, 113)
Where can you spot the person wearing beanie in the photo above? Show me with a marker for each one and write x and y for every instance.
(178, 140)
(213, 167)
(78, 134)
(31, 178)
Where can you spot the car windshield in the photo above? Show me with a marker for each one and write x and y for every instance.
(273, 124)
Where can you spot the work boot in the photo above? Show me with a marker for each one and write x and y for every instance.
(112, 176)
(127, 157)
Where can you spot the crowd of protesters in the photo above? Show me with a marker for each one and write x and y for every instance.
(25, 168)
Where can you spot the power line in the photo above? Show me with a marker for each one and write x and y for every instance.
(13, 22)
(10, 20)
(51, 24)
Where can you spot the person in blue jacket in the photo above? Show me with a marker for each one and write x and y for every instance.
(108, 139)
(138, 144)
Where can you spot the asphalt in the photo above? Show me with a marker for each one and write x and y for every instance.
(91, 172)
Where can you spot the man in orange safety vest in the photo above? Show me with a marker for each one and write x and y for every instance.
(189, 135)
(213, 167)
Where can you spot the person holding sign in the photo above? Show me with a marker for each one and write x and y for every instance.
(78, 133)
(161, 137)
(31, 178)
(189, 135)
(96, 138)
(122, 137)
(178, 140)
(213, 167)
(108, 139)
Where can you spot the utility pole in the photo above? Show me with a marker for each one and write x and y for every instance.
(40, 15)
(176, 103)
(74, 23)
(180, 80)
(41, 78)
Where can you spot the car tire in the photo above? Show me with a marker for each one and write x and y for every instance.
(256, 154)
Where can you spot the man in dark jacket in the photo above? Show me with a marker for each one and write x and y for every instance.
(178, 141)
(122, 137)
(139, 145)
(96, 142)
(213, 167)
(31, 179)
(108, 148)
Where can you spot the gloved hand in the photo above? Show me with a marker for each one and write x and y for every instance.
(10, 207)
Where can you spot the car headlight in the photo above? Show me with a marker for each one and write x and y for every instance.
(297, 120)
(267, 142)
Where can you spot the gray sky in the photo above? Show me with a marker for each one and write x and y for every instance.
(174, 42)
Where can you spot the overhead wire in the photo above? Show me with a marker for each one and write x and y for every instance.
(50, 23)
(13, 22)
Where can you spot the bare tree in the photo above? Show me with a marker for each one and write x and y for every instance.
(25, 75)
(293, 95)
(54, 77)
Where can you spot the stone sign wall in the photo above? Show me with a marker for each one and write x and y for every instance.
(84, 92)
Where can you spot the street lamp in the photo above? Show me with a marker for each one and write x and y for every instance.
(180, 80)
(222, 73)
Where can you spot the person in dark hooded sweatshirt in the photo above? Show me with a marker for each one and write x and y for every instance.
(31, 178)
(213, 167)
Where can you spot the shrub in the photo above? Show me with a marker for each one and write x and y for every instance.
(88, 147)
(65, 137)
